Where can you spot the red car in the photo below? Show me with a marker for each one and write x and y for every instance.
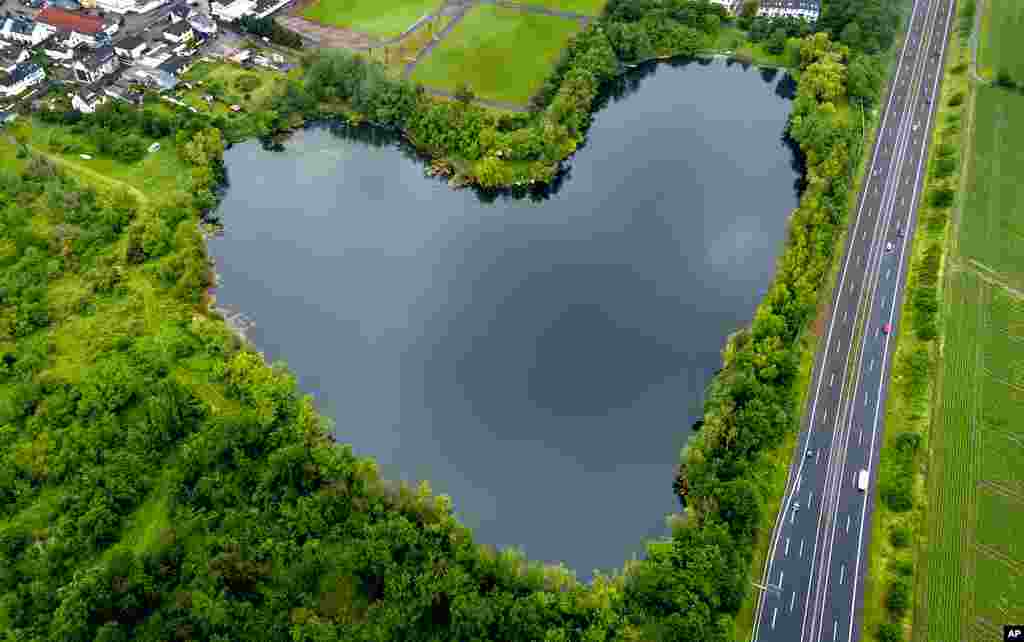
(887, 328)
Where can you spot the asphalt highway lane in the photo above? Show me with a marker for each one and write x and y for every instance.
(814, 575)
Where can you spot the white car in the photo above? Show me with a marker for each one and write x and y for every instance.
(888, 246)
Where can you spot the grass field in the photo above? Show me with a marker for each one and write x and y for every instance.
(381, 18)
(993, 232)
(1001, 45)
(973, 562)
(582, 7)
(503, 54)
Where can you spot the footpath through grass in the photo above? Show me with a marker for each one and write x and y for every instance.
(502, 54)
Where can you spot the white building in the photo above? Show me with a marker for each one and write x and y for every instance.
(26, 30)
(179, 32)
(231, 10)
(23, 76)
(9, 58)
(809, 10)
(87, 99)
(95, 66)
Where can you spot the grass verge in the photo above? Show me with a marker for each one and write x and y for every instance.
(381, 18)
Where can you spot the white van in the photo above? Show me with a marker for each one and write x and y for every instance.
(862, 480)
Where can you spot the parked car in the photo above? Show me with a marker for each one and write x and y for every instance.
(887, 328)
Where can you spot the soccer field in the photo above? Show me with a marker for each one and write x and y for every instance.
(381, 18)
(502, 54)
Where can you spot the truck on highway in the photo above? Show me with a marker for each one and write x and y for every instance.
(862, 480)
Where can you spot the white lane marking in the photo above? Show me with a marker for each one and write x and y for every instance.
(832, 380)
(860, 436)
(863, 237)
(798, 480)
(838, 344)
(888, 273)
(903, 200)
(835, 630)
(786, 554)
(842, 574)
(845, 314)
(824, 418)
(817, 455)
(800, 553)
(792, 601)
(792, 516)
(871, 366)
(847, 522)
(865, 400)
(782, 574)
(774, 614)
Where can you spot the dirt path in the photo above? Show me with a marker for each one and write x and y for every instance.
(494, 104)
(531, 8)
(973, 41)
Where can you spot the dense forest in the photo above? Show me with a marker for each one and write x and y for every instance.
(158, 481)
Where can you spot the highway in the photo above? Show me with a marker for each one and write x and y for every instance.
(813, 579)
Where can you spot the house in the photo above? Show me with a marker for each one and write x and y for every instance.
(91, 30)
(179, 13)
(10, 58)
(99, 63)
(26, 30)
(231, 10)
(202, 24)
(179, 32)
(125, 92)
(59, 52)
(175, 66)
(264, 8)
(130, 48)
(87, 99)
(23, 76)
(67, 5)
(156, 78)
(156, 56)
(807, 9)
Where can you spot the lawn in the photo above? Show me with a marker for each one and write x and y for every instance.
(582, 7)
(502, 54)
(1001, 45)
(249, 88)
(993, 226)
(381, 18)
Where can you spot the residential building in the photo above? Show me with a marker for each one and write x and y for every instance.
(23, 76)
(125, 91)
(67, 5)
(130, 48)
(9, 58)
(156, 78)
(202, 24)
(179, 33)
(807, 9)
(231, 10)
(90, 30)
(87, 99)
(264, 8)
(25, 30)
(179, 13)
(156, 56)
(176, 66)
(98, 64)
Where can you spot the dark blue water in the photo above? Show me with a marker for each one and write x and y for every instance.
(539, 359)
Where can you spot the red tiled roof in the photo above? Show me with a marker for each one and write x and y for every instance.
(70, 21)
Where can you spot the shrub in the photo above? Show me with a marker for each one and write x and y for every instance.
(248, 82)
(899, 536)
(956, 99)
(903, 568)
(944, 167)
(889, 632)
(898, 599)
(941, 197)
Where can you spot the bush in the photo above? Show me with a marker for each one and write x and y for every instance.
(903, 568)
(889, 632)
(956, 99)
(941, 197)
(899, 536)
(248, 82)
(898, 599)
(943, 167)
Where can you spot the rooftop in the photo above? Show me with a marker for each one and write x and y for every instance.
(130, 43)
(178, 28)
(71, 21)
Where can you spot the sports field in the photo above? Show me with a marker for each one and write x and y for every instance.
(381, 18)
(502, 54)
(1001, 45)
(993, 223)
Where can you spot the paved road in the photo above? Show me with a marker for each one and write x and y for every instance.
(817, 562)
